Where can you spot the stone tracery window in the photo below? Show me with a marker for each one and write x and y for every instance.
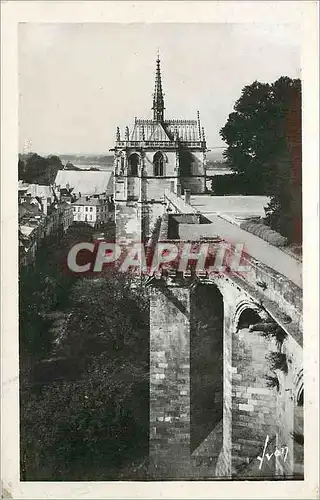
(158, 162)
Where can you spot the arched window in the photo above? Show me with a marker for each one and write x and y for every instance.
(134, 162)
(158, 164)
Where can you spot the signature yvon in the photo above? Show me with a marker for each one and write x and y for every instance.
(282, 452)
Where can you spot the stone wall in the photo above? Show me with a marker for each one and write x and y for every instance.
(253, 405)
(212, 408)
(128, 221)
(169, 165)
(156, 186)
(196, 184)
(170, 382)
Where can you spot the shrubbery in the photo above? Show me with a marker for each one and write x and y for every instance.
(265, 232)
(234, 184)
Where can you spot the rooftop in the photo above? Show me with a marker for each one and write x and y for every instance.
(86, 182)
(83, 201)
(166, 131)
(34, 190)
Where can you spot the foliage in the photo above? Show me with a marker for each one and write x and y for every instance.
(45, 288)
(88, 425)
(270, 330)
(277, 361)
(298, 438)
(265, 232)
(272, 381)
(236, 183)
(284, 211)
(85, 429)
(263, 136)
(35, 169)
(107, 313)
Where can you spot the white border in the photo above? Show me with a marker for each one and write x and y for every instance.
(12, 12)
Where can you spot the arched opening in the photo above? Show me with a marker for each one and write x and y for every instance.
(206, 367)
(253, 399)
(158, 162)
(133, 164)
(247, 318)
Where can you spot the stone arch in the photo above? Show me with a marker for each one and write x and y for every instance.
(245, 310)
(134, 162)
(158, 164)
(253, 400)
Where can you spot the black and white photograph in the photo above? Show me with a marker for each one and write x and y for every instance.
(160, 241)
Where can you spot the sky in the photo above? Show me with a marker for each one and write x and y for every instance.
(78, 82)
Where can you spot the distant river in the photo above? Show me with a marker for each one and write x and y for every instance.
(108, 168)
(104, 167)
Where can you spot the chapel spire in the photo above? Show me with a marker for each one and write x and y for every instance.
(158, 101)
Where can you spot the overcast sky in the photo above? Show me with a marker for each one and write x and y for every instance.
(78, 82)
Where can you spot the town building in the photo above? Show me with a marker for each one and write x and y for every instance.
(45, 195)
(157, 154)
(39, 222)
(95, 210)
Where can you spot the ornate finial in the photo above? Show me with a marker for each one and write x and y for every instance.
(158, 101)
(127, 133)
(199, 126)
(118, 135)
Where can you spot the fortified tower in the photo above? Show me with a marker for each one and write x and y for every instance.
(155, 155)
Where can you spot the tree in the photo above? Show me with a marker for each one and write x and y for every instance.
(40, 170)
(284, 212)
(93, 421)
(21, 168)
(70, 166)
(263, 135)
(109, 312)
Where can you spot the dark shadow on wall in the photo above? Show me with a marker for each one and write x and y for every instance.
(206, 358)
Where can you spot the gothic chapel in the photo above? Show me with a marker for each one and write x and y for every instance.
(152, 157)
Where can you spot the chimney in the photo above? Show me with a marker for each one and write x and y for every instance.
(187, 196)
(178, 189)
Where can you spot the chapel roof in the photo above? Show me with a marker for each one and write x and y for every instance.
(159, 129)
